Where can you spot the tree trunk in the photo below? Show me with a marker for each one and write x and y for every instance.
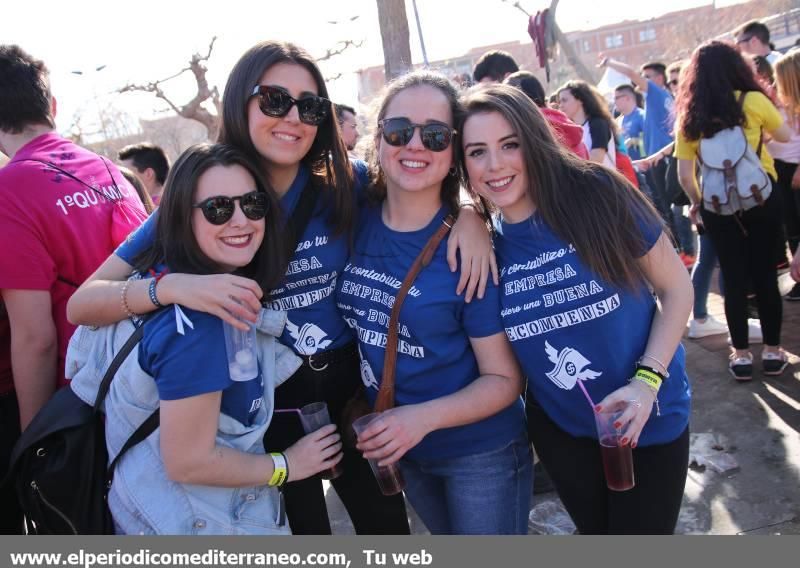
(394, 35)
(569, 51)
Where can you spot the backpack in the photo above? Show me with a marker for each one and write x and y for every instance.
(733, 178)
(59, 466)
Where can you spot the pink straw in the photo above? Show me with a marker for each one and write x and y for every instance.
(586, 394)
(297, 410)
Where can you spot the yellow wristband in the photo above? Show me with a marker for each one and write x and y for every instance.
(280, 470)
(649, 378)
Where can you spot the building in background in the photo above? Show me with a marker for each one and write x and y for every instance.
(667, 38)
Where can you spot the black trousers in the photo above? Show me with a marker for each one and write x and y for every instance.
(370, 511)
(790, 204)
(10, 513)
(657, 179)
(576, 468)
(745, 245)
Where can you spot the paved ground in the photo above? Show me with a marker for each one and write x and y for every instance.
(756, 424)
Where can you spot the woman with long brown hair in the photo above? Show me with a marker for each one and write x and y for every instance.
(277, 111)
(583, 257)
(585, 106)
(458, 428)
(719, 91)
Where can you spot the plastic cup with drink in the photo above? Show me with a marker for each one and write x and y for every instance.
(242, 353)
(313, 417)
(617, 459)
(390, 480)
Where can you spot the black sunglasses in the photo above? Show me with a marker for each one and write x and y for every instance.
(673, 83)
(219, 210)
(436, 136)
(275, 101)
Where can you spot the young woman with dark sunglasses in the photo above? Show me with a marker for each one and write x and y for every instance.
(276, 110)
(458, 428)
(206, 471)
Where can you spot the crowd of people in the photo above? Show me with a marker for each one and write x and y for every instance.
(561, 290)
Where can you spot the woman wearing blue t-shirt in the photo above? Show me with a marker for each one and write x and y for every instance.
(458, 426)
(580, 251)
(204, 470)
(276, 110)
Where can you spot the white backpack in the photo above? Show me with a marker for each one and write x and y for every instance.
(733, 178)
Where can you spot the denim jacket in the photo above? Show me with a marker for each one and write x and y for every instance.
(143, 500)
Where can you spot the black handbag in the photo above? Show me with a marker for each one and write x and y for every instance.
(59, 466)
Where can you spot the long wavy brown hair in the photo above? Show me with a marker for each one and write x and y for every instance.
(594, 105)
(706, 102)
(595, 209)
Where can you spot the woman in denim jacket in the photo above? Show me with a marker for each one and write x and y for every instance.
(204, 470)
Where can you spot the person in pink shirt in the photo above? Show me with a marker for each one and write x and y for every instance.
(64, 211)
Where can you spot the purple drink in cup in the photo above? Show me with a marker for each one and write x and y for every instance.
(617, 459)
(390, 480)
(313, 417)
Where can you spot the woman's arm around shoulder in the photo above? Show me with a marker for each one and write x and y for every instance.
(472, 240)
(106, 297)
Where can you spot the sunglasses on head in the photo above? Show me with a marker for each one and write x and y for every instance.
(436, 136)
(275, 101)
(219, 210)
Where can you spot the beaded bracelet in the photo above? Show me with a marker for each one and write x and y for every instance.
(124, 300)
(151, 290)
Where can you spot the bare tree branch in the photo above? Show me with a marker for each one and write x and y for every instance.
(192, 110)
(518, 6)
(341, 47)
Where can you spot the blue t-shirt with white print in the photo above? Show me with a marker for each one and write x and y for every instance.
(435, 357)
(658, 118)
(566, 324)
(307, 293)
(195, 363)
(633, 127)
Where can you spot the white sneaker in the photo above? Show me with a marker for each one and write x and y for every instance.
(711, 326)
(753, 332)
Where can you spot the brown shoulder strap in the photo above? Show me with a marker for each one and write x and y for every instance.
(385, 399)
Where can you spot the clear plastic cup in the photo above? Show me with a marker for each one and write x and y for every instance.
(242, 354)
(313, 417)
(390, 480)
(617, 459)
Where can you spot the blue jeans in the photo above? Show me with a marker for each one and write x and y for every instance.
(683, 227)
(701, 276)
(487, 493)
